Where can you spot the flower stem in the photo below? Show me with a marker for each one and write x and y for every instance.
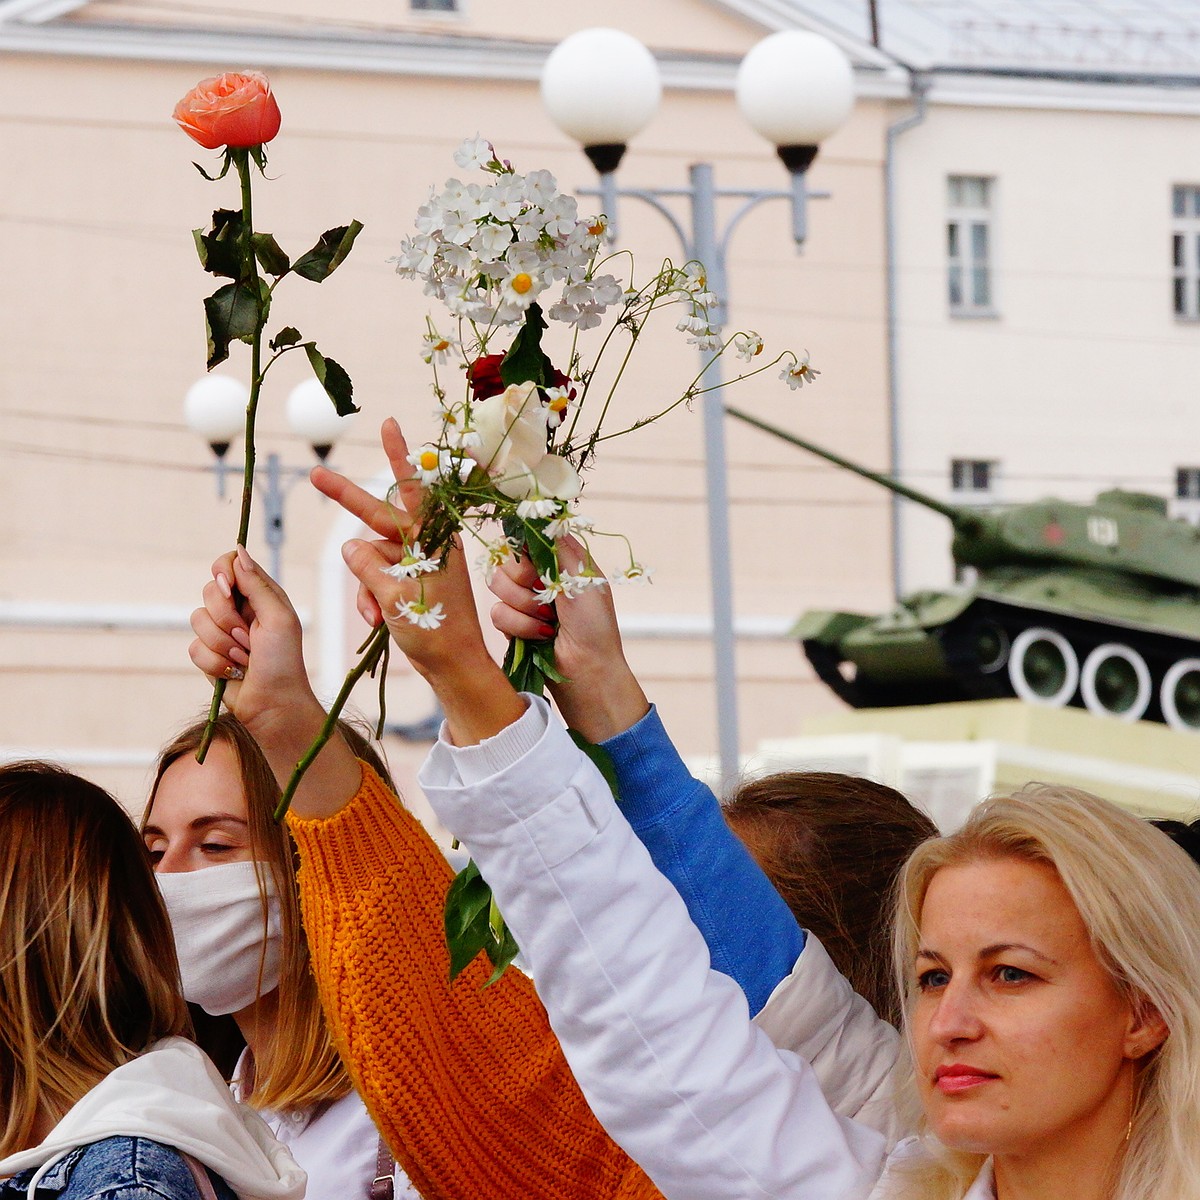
(372, 652)
(250, 278)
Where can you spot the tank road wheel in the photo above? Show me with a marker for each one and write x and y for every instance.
(1180, 695)
(1115, 682)
(1043, 667)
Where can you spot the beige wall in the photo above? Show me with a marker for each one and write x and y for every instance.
(105, 495)
(1085, 379)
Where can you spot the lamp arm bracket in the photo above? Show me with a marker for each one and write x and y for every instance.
(652, 198)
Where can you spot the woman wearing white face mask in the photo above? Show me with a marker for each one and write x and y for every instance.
(227, 874)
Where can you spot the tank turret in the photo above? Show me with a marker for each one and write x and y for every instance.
(1095, 605)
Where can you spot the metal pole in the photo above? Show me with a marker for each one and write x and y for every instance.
(274, 505)
(706, 248)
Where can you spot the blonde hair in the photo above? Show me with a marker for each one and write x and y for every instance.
(299, 1066)
(1138, 895)
(88, 976)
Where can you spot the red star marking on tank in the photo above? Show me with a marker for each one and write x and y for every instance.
(1054, 534)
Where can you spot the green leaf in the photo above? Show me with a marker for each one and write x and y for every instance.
(602, 759)
(327, 255)
(525, 361)
(224, 168)
(333, 379)
(289, 335)
(501, 954)
(270, 257)
(233, 313)
(220, 248)
(468, 904)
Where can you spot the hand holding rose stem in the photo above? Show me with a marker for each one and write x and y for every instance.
(237, 112)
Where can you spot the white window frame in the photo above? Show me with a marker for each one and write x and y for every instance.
(1185, 251)
(968, 263)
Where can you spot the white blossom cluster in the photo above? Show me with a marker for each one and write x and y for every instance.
(488, 251)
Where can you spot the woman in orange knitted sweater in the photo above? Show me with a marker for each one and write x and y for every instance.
(468, 1085)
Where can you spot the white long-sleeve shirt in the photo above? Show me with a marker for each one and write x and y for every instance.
(662, 1045)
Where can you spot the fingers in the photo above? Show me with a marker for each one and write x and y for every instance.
(514, 623)
(519, 593)
(265, 595)
(409, 492)
(387, 520)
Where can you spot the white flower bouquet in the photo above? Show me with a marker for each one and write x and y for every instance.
(507, 258)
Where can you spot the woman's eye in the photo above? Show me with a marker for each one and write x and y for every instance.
(154, 855)
(216, 847)
(937, 978)
(1012, 975)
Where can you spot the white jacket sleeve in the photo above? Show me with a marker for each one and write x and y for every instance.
(815, 1013)
(662, 1045)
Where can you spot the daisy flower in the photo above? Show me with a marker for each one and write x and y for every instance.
(418, 613)
(799, 374)
(413, 563)
(748, 345)
(636, 572)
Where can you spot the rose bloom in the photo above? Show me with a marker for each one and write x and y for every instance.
(512, 446)
(484, 377)
(235, 110)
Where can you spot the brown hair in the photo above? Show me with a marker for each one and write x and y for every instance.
(88, 976)
(300, 1066)
(833, 846)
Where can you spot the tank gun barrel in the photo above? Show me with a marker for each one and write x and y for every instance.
(960, 517)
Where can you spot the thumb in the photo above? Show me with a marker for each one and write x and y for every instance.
(367, 564)
(265, 596)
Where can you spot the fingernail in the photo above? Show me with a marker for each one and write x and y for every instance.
(245, 561)
(348, 550)
(238, 655)
(240, 636)
(224, 584)
(544, 611)
(546, 631)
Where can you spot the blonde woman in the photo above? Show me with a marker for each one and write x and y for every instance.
(1047, 951)
(102, 1097)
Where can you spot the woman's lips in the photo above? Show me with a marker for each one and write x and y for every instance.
(957, 1078)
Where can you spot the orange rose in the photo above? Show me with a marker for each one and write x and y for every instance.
(234, 109)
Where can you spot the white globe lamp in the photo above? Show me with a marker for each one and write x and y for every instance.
(312, 416)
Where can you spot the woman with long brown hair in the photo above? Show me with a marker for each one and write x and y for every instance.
(101, 1092)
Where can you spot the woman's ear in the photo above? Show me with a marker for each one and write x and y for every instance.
(1147, 1030)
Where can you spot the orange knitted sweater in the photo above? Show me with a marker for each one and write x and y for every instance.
(468, 1086)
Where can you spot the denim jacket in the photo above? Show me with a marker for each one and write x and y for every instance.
(117, 1168)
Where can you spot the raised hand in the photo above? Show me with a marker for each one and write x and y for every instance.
(600, 697)
(432, 618)
(251, 637)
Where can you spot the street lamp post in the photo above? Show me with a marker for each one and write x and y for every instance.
(601, 86)
(215, 408)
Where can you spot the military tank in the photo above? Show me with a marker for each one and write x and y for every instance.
(1091, 605)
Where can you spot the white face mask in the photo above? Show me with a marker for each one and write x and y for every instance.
(217, 917)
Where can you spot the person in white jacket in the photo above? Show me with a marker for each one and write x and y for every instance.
(100, 1094)
(1048, 952)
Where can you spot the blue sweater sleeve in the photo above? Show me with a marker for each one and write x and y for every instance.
(679, 821)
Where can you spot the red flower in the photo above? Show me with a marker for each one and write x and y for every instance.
(484, 377)
(234, 109)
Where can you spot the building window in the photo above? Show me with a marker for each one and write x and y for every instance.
(969, 245)
(434, 5)
(973, 478)
(1187, 494)
(1185, 251)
